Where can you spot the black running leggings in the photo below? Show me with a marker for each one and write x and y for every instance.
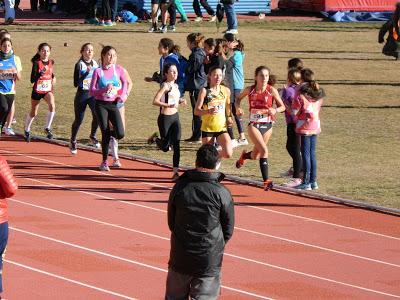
(6, 102)
(107, 112)
(83, 99)
(170, 133)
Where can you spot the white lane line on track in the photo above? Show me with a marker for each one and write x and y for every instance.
(134, 262)
(68, 280)
(236, 227)
(250, 206)
(226, 254)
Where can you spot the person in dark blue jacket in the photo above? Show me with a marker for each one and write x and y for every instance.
(196, 79)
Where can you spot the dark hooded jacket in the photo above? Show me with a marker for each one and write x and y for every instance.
(201, 220)
(196, 78)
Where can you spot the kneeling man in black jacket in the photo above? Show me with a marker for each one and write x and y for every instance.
(201, 220)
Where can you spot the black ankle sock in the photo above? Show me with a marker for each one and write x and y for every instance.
(247, 155)
(264, 168)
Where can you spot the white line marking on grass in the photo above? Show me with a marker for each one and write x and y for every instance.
(119, 258)
(237, 228)
(68, 280)
(251, 206)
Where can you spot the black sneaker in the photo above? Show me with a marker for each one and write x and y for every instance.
(27, 136)
(95, 142)
(48, 132)
(73, 148)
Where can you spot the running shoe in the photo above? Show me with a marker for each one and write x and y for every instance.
(101, 23)
(234, 143)
(116, 163)
(163, 29)
(175, 177)
(193, 140)
(27, 136)
(240, 162)
(171, 28)
(48, 132)
(232, 31)
(304, 187)
(104, 166)
(93, 21)
(314, 185)
(152, 138)
(268, 184)
(183, 20)
(242, 142)
(198, 19)
(108, 23)
(9, 131)
(95, 143)
(73, 148)
(212, 19)
(152, 29)
(293, 183)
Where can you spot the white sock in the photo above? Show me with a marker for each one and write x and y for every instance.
(49, 119)
(114, 147)
(28, 122)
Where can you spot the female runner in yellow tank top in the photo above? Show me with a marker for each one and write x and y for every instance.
(213, 106)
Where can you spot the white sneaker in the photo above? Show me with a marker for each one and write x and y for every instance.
(232, 31)
(9, 131)
(293, 183)
(198, 19)
(116, 163)
(234, 143)
(212, 19)
(242, 142)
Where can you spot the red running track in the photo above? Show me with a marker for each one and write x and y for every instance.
(76, 233)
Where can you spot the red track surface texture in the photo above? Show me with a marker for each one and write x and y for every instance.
(78, 233)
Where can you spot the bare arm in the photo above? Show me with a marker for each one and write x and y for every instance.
(199, 111)
(280, 107)
(228, 112)
(239, 98)
(157, 98)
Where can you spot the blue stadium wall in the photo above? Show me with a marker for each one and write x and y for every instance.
(241, 7)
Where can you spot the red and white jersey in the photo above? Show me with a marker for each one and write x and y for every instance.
(259, 103)
(45, 82)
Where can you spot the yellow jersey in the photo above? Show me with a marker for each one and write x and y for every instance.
(215, 122)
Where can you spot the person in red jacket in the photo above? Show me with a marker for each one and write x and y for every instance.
(8, 187)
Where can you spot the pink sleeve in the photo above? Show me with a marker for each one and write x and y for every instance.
(124, 82)
(94, 91)
(296, 104)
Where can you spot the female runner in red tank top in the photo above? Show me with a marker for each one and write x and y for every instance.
(43, 79)
(262, 97)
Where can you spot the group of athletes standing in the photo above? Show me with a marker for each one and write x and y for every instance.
(214, 78)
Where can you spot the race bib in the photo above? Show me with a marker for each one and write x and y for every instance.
(217, 106)
(260, 116)
(7, 76)
(44, 86)
(86, 83)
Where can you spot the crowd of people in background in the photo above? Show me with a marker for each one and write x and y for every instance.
(109, 12)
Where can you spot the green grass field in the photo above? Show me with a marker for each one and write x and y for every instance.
(357, 150)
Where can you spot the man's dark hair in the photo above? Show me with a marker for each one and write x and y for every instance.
(207, 157)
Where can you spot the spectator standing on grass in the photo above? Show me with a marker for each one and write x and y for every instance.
(91, 9)
(167, 7)
(105, 14)
(201, 220)
(207, 7)
(8, 187)
(114, 11)
(231, 18)
(196, 79)
(307, 107)
(9, 16)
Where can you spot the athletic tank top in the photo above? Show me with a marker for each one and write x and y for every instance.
(114, 81)
(259, 103)
(8, 71)
(216, 122)
(45, 82)
(172, 96)
(85, 84)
